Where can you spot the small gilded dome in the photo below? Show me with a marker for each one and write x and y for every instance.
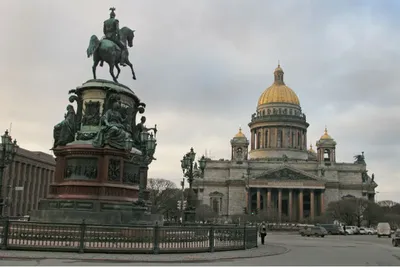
(326, 136)
(239, 134)
(278, 92)
(311, 150)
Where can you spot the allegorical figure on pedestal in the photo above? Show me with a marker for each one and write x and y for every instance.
(141, 127)
(112, 132)
(64, 132)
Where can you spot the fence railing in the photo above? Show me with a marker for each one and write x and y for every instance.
(21, 235)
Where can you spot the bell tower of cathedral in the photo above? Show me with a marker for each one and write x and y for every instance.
(240, 147)
(326, 149)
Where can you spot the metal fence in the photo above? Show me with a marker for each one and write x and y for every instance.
(21, 235)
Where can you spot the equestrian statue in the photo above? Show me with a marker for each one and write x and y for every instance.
(112, 48)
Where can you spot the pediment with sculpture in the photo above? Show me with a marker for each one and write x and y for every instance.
(287, 173)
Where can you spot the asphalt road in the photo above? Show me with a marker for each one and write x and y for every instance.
(331, 250)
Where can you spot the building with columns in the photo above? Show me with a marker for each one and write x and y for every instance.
(26, 181)
(275, 172)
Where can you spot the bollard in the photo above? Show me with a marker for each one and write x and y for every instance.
(6, 228)
(211, 236)
(156, 245)
(82, 237)
(244, 237)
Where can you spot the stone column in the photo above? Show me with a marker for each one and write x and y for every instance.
(322, 202)
(269, 201)
(269, 137)
(290, 209)
(258, 198)
(312, 204)
(280, 204)
(252, 139)
(262, 131)
(301, 205)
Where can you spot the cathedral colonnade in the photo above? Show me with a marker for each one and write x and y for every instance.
(286, 204)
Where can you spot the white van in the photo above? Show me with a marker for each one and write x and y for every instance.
(383, 229)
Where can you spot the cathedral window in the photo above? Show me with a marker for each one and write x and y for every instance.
(215, 205)
(266, 138)
(280, 138)
(216, 202)
(298, 139)
(293, 139)
(263, 112)
(327, 155)
(258, 140)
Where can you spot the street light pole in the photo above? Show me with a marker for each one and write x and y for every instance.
(191, 171)
(248, 191)
(149, 143)
(8, 150)
(183, 198)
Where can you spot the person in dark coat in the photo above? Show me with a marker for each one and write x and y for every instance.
(263, 232)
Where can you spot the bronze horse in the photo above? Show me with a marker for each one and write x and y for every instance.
(106, 50)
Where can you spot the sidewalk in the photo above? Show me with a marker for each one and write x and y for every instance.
(261, 251)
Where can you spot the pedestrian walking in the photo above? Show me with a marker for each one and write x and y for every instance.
(263, 232)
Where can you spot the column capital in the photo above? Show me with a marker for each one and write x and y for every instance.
(280, 190)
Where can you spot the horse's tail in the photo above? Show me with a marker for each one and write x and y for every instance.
(93, 45)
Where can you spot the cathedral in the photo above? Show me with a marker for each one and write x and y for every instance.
(274, 172)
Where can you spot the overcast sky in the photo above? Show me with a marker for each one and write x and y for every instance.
(201, 66)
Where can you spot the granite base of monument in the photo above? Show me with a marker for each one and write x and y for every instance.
(190, 216)
(92, 211)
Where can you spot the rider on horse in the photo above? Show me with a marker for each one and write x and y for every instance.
(111, 32)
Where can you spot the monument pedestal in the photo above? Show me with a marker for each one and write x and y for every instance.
(190, 216)
(98, 173)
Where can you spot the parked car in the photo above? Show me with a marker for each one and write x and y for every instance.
(313, 231)
(366, 231)
(332, 229)
(373, 231)
(351, 230)
(396, 238)
(383, 229)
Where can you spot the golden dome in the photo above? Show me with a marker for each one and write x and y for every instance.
(240, 134)
(311, 149)
(326, 135)
(278, 92)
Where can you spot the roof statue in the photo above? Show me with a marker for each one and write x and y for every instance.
(112, 48)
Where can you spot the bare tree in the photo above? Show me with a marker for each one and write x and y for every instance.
(355, 211)
(342, 210)
(388, 205)
(161, 192)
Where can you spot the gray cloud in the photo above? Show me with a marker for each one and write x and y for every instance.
(201, 67)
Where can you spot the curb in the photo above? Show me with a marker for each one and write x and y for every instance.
(194, 260)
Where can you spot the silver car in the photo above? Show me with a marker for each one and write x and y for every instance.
(313, 231)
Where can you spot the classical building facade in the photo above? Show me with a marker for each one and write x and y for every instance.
(26, 181)
(275, 172)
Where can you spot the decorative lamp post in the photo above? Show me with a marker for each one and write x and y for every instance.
(148, 146)
(191, 171)
(8, 150)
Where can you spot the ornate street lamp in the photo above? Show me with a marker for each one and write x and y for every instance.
(191, 171)
(148, 145)
(8, 150)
